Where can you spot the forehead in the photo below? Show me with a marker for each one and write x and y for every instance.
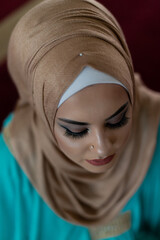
(95, 100)
(87, 77)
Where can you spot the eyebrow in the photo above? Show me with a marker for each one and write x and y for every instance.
(85, 123)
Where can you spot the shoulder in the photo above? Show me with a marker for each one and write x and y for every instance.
(157, 149)
(22, 206)
(144, 204)
(152, 178)
(153, 172)
(8, 170)
(6, 156)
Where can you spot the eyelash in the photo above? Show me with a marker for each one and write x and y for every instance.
(74, 135)
(121, 123)
(78, 135)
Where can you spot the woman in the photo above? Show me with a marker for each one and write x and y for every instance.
(80, 152)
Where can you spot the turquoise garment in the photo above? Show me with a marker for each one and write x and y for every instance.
(25, 216)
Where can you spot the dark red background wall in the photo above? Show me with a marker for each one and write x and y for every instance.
(140, 22)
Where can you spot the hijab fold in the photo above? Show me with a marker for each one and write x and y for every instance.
(43, 60)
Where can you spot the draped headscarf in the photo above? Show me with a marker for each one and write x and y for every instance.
(43, 60)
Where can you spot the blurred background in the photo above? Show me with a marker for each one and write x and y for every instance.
(139, 19)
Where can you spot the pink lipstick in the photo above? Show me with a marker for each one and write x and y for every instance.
(99, 162)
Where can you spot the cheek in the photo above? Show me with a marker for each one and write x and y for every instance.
(124, 134)
(72, 148)
(119, 137)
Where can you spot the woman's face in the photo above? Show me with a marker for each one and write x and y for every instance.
(99, 116)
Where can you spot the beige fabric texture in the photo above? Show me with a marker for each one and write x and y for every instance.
(43, 60)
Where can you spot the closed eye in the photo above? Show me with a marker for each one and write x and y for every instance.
(117, 120)
(77, 134)
(122, 122)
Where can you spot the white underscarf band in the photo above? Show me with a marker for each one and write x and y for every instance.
(87, 77)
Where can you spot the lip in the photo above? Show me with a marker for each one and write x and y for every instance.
(100, 162)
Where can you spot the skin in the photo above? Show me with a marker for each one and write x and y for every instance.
(93, 105)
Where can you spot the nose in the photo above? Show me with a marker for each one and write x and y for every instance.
(102, 144)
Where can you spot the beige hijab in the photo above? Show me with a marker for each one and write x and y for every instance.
(43, 60)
